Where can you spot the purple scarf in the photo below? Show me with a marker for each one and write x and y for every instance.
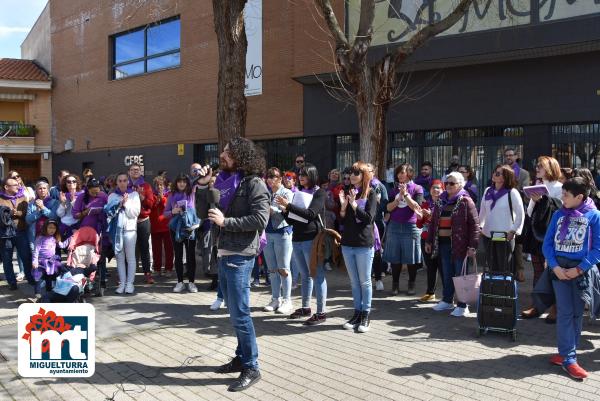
(424, 181)
(134, 184)
(493, 195)
(374, 182)
(119, 192)
(310, 191)
(516, 169)
(585, 207)
(68, 195)
(227, 183)
(12, 198)
(450, 201)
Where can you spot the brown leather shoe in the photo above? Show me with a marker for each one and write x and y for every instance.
(530, 313)
(551, 318)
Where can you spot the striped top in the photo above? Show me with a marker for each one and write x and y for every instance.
(445, 223)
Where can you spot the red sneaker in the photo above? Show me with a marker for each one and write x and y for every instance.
(149, 279)
(557, 360)
(575, 371)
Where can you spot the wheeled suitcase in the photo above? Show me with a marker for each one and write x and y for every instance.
(498, 294)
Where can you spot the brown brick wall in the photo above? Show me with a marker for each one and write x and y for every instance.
(178, 105)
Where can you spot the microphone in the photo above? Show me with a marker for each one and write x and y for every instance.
(213, 197)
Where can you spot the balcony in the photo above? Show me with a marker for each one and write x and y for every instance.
(17, 129)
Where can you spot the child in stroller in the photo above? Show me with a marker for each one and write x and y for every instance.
(80, 269)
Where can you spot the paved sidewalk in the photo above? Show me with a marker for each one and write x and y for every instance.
(411, 352)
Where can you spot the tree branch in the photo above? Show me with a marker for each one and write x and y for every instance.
(365, 24)
(332, 23)
(407, 49)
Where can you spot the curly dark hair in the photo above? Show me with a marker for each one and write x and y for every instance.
(248, 157)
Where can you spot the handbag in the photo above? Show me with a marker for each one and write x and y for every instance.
(466, 286)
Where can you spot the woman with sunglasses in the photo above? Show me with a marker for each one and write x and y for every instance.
(278, 251)
(302, 240)
(26, 191)
(453, 235)
(358, 207)
(501, 211)
(70, 189)
(434, 264)
(402, 239)
(548, 173)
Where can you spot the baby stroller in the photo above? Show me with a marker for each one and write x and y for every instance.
(77, 275)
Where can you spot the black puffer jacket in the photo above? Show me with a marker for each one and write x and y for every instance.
(534, 229)
(7, 224)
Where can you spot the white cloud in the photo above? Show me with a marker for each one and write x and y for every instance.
(10, 30)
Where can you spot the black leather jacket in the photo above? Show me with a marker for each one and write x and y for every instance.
(7, 225)
(246, 218)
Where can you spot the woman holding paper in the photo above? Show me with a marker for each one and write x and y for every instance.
(501, 211)
(180, 199)
(358, 209)
(304, 214)
(278, 251)
(545, 199)
(403, 238)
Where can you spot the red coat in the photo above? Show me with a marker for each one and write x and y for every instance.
(148, 202)
(158, 222)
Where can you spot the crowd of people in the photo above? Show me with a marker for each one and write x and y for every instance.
(298, 227)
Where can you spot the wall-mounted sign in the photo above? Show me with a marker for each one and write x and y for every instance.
(137, 159)
(254, 70)
(180, 149)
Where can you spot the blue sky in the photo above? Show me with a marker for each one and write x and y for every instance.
(16, 19)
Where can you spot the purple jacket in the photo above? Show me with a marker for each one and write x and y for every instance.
(465, 227)
(96, 217)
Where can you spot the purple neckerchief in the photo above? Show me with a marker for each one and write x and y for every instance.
(140, 181)
(310, 190)
(21, 192)
(119, 192)
(516, 169)
(12, 198)
(374, 182)
(47, 200)
(424, 181)
(494, 194)
(450, 201)
(294, 189)
(227, 183)
(582, 209)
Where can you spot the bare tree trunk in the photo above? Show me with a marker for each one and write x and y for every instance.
(231, 37)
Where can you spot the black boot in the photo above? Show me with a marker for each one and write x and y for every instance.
(411, 288)
(395, 289)
(353, 322)
(363, 327)
(246, 379)
(235, 365)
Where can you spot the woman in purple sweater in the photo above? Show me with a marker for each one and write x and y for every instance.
(89, 206)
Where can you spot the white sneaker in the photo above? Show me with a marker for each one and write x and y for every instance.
(192, 287)
(378, 285)
(129, 289)
(440, 306)
(274, 304)
(285, 307)
(460, 312)
(216, 305)
(20, 276)
(179, 287)
(120, 289)
(327, 266)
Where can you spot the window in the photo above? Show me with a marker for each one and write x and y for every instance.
(281, 153)
(346, 151)
(577, 145)
(151, 48)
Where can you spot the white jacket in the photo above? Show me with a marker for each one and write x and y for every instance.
(132, 210)
(499, 218)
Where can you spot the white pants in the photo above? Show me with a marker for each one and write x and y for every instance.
(126, 276)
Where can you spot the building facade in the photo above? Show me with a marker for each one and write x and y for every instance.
(138, 81)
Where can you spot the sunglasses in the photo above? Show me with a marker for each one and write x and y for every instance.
(450, 183)
(355, 172)
(14, 177)
(71, 182)
(299, 161)
(346, 178)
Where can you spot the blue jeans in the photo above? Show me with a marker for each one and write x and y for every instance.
(301, 256)
(569, 318)
(234, 280)
(359, 261)
(21, 242)
(278, 254)
(450, 268)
